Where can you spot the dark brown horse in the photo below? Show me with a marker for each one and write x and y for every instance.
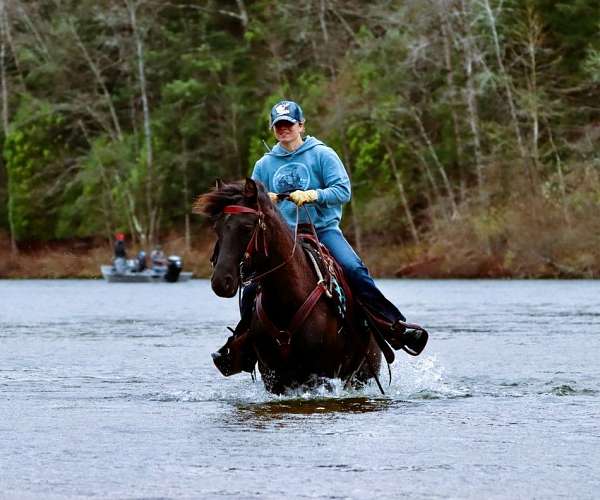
(321, 346)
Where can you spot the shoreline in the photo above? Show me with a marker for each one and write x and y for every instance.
(383, 261)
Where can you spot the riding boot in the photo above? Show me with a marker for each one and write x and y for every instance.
(237, 354)
(400, 335)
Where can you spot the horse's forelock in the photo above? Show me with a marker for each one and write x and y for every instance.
(213, 202)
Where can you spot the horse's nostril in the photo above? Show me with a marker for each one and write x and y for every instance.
(224, 285)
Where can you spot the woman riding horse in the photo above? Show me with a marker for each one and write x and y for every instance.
(313, 174)
(299, 336)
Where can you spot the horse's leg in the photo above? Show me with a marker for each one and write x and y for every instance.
(271, 380)
(370, 366)
(238, 352)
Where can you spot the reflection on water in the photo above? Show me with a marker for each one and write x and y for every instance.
(280, 409)
(283, 413)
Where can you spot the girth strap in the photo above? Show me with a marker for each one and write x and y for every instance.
(284, 337)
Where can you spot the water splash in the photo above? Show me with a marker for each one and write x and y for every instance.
(421, 379)
(570, 390)
(424, 379)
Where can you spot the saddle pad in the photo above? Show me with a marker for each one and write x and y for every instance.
(331, 272)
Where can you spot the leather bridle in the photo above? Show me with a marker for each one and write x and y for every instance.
(254, 245)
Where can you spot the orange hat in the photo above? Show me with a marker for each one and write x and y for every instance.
(120, 236)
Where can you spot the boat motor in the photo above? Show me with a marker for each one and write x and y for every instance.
(174, 266)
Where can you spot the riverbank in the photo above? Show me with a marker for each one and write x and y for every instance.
(83, 258)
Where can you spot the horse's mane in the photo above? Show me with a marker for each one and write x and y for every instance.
(227, 193)
(213, 202)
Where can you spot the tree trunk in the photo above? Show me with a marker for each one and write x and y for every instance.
(243, 13)
(241, 171)
(505, 78)
(415, 145)
(450, 81)
(150, 183)
(322, 22)
(534, 31)
(436, 190)
(34, 31)
(471, 98)
(9, 40)
(186, 195)
(561, 177)
(118, 134)
(3, 77)
(433, 154)
(403, 199)
(4, 90)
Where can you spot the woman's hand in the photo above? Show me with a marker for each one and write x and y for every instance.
(302, 197)
(274, 197)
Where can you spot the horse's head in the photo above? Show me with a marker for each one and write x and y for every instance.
(234, 230)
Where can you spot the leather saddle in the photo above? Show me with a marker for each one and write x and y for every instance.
(351, 312)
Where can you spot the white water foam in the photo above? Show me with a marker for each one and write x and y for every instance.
(423, 378)
(418, 379)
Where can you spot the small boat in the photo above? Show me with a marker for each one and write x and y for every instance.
(126, 271)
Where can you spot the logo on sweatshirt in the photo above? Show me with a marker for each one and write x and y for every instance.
(291, 177)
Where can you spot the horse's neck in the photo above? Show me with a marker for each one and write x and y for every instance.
(289, 283)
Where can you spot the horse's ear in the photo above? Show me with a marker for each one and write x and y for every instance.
(218, 184)
(250, 190)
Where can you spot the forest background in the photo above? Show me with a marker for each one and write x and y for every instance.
(470, 128)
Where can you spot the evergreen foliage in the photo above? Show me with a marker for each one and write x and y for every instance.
(442, 110)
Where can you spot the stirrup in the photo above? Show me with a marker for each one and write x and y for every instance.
(414, 338)
(409, 337)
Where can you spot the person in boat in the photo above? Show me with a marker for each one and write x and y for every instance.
(120, 252)
(120, 259)
(141, 261)
(312, 173)
(159, 261)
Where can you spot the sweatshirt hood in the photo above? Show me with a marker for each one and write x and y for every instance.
(309, 143)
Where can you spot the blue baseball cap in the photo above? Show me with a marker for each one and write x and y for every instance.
(288, 111)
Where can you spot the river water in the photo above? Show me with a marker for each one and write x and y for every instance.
(108, 391)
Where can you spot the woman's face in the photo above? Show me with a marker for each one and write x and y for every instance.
(288, 132)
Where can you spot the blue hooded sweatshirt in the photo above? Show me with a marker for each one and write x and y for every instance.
(312, 166)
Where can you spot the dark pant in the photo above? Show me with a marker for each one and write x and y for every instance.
(360, 281)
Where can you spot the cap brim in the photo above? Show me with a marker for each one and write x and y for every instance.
(283, 118)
